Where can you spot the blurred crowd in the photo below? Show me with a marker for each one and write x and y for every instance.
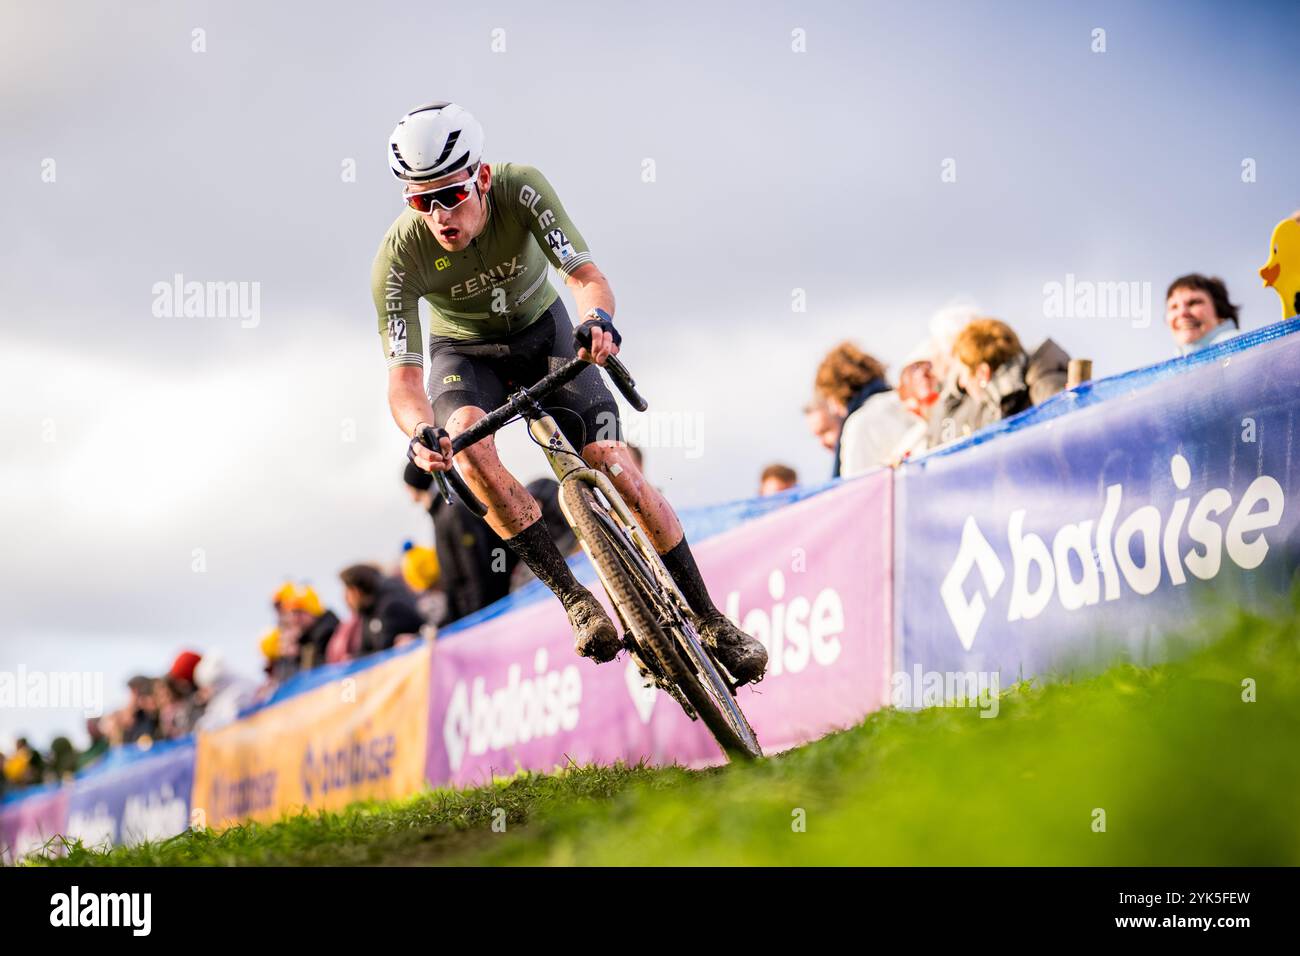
(970, 371)
(386, 605)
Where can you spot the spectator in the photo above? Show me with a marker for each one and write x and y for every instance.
(283, 664)
(269, 645)
(873, 434)
(280, 599)
(775, 479)
(919, 390)
(423, 575)
(1198, 313)
(182, 668)
(141, 711)
(853, 385)
(99, 742)
(113, 725)
(945, 326)
(63, 759)
(168, 707)
(1000, 379)
(24, 767)
(222, 693)
(474, 564)
(345, 645)
(313, 624)
(384, 605)
(178, 708)
(420, 568)
(823, 423)
(846, 379)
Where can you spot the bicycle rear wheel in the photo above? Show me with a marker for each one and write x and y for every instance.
(656, 624)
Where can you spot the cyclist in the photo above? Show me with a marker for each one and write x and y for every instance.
(475, 244)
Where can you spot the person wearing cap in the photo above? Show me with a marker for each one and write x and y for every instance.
(420, 568)
(279, 648)
(945, 325)
(182, 668)
(313, 623)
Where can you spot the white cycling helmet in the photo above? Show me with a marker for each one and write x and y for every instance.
(433, 141)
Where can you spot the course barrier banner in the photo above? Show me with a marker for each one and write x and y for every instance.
(699, 524)
(812, 581)
(27, 824)
(1102, 532)
(147, 799)
(359, 738)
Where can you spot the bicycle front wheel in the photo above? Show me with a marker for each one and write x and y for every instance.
(630, 580)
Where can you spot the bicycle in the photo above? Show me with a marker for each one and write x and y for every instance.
(659, 628)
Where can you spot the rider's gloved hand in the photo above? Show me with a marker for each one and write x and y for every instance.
(596, 338)
(421, 450)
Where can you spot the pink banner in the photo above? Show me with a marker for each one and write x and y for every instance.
(26, 825)
(812, 581)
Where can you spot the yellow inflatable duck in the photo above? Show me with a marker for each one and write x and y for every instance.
(1282, 271)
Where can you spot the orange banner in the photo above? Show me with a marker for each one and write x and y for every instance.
(361, 737)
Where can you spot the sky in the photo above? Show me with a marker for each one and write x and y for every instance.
(759, 181)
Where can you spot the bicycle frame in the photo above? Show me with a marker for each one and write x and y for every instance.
(569, 465)
(661, 603)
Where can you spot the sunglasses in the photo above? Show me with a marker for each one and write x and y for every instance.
(447, 197)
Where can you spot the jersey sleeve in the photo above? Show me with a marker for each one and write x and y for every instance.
(538, 207)
(395, 287)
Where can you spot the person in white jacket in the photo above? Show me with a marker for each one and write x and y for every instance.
(226, 693)
(892, 425)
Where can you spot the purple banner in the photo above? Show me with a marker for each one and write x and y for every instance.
(27, 824)
(1064, 544)
(148, 799)
(812, 581)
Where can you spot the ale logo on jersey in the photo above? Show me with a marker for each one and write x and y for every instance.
(1090, 561)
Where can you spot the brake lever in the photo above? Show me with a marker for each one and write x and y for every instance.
(444, 488)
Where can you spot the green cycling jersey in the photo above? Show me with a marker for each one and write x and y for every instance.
(495, 287)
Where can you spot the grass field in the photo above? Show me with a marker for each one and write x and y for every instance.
(1185, 770)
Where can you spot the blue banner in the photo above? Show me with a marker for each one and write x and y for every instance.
(1076, 538)
(127, 802)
